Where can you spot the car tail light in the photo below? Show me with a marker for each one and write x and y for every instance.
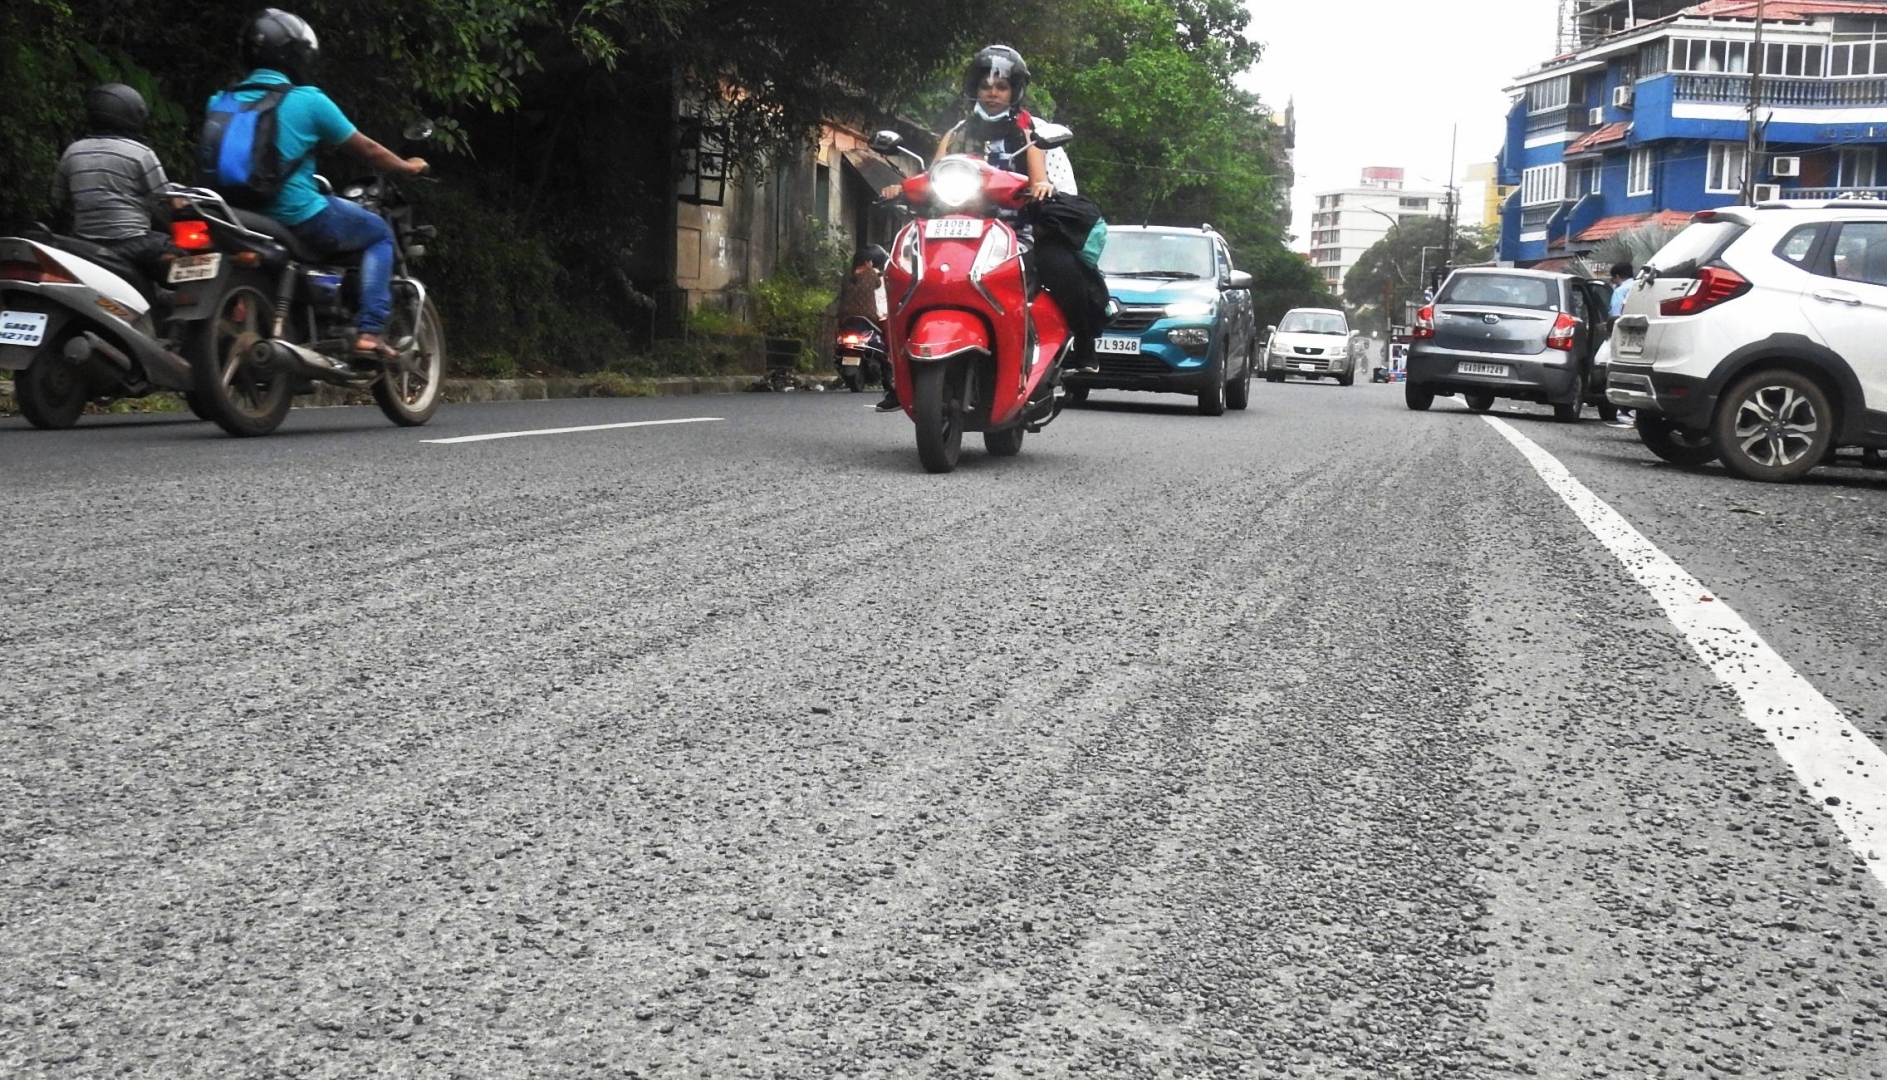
(1561, 336)
(1424, 323)
(190, 235)
(43, 270)
(1713, 286)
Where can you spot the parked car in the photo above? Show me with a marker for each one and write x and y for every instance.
(1754, 338)
(1316, 343)
(1499, 332)
(1185, 324)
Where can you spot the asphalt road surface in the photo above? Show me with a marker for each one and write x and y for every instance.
(1324, 739)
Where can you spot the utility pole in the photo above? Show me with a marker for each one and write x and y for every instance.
(1752, 144)
(1448, 236)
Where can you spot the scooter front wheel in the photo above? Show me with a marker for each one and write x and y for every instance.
(939, 416)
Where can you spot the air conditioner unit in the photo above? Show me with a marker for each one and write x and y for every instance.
(1763, 193)
(1785, 166)
(1621, 97)
(1595, 117)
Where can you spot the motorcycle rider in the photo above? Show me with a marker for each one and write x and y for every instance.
(105, 179)
(280, 48)
(863, 296)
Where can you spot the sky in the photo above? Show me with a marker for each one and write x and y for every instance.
(1382, 82)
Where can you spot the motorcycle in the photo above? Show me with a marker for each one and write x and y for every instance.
(970, 348)
(277, 316)
(78, 324)
(859, 352)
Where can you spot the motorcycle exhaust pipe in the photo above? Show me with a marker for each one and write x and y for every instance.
(273, 353)
(87, 345)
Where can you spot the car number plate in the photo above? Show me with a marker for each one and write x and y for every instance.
(26, 328)
(1302, 366)
(1630, 341)
(195, 268)
(1500, 370)
(953, 228)
(1117, 344)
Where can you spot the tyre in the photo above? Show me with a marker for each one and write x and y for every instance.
(1274, 376)
(1608, 412)
(1418, 398)
(409, 391)
(1479, 402)
(242, 397)
(1773, 426)
(939, 418)
(1004, 443)
(1238, 391)
(1212, 398)
(1677, 445)
(1347, 380)
(196, 406)
(1569, 412)
(1077, 395)
(51, 391)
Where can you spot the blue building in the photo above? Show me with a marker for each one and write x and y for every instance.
(1645, 116)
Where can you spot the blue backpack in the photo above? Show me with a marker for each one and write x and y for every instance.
(236, 153)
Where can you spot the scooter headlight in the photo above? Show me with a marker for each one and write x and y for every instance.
(955, 183)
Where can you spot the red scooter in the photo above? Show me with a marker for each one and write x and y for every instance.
(969, 349)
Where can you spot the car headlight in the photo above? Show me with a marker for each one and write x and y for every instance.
(954, 183)
(1189, 337)
(1188, 309)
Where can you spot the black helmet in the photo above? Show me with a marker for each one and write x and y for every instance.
(115, 109)
(997, 62)
(874, 254)
(283, 42)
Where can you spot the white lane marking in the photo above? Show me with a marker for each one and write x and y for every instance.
(1844, 771)
(571, 430)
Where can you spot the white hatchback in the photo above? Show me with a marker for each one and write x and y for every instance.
(1755, 337)
(1316, 343)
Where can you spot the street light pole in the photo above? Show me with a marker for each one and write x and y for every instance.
(1753, 137)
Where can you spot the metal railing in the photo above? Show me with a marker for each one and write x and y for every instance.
(1828, 194)
(1778, 91)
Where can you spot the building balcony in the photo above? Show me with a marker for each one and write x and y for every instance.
(1779, 92)
(1829, 194)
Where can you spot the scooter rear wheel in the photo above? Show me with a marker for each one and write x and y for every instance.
(51, 391)
(939, 415)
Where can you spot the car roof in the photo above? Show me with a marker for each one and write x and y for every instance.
(1316, 310)
(1517, 271)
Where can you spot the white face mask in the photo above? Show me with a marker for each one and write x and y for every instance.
(981, 112)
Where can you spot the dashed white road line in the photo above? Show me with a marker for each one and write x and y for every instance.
(1844, 771)
(571, 430)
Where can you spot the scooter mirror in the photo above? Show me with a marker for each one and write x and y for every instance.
(1048, 136)
(886, 140)
(419, 130)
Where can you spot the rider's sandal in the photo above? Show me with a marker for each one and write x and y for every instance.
(370, 347)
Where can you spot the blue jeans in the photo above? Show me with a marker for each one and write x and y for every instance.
(342, 227)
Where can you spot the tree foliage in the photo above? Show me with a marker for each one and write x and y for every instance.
(1399, 259)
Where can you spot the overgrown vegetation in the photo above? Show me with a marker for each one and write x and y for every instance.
(552, 211)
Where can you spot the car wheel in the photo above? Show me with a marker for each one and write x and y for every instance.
(1212, 398)
(1677, 445)
(1479, 402)
(1346, 380)
(1568, 413)
(1238, 391)
(1773, 426)
(1417, 397)
(1274, 376)
(1076, 395)
(1608, 413)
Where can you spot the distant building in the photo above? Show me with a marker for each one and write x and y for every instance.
(1484, 193)
(1284, 124)
(1644, 117)
(1350, 221)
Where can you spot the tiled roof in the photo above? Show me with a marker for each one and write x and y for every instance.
(1609, 133)
(1612, 226)
(1784, 10)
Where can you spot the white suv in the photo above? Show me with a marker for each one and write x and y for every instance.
(1756, 337)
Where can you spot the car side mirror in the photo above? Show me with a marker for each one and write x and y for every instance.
(885, 141)
(1238, 279)
(1048, 136)
(1271, 329)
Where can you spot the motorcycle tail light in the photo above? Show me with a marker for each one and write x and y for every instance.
(43, 270)
(1561, 336)
(851, 339)
(190, 235)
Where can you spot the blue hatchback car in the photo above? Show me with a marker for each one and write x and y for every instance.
(1185, 324)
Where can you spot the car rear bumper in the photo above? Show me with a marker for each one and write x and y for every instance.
(1683, 398)
(1529, 377)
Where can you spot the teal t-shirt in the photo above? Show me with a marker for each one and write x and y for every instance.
(306, 119)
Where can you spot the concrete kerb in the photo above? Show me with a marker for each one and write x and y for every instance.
(463, 390)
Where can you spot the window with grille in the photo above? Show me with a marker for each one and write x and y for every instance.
(1542, 184)
(702, 175)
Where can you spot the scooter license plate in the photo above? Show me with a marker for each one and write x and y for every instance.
(848, 361)
(1117, 344)
(26, 328)
(953, 228)
(196, 267)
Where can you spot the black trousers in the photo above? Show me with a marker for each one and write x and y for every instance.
(1079, 291)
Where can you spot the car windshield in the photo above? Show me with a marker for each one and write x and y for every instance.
(1167, 255)
(1312, 322)
(1502, 290)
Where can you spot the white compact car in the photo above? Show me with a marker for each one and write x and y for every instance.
(1755, 337)
(1314, 342)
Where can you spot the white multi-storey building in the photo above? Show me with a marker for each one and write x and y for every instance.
(1350, 221)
